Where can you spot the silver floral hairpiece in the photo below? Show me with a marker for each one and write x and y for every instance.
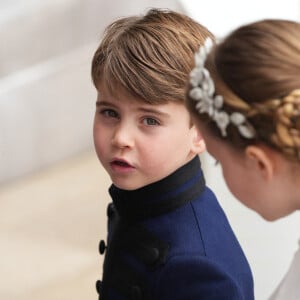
(203, 91)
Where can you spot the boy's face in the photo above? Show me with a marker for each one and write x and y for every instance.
(138, 143)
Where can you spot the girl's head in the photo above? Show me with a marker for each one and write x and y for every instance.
(147, 55)
(249, 105)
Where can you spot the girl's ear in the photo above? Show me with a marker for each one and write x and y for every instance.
(262, 159)
(198, 144)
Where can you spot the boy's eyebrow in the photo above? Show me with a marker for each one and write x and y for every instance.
(104, 103)
(153, 111)
(149, 110)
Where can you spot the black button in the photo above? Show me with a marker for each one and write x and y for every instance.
(102, 247)
(99, 286)
(136, 293)
(151, 256)
(154, 255)
(110, 211)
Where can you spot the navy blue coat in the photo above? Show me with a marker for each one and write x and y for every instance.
(171, 240)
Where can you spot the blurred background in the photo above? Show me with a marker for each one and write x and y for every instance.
(53, 191)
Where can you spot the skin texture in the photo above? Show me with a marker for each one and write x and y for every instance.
(138, 143)
(258, 176)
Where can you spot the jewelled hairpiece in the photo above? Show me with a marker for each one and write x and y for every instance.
(203, 92)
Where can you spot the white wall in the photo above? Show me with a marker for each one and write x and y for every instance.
(222, 16)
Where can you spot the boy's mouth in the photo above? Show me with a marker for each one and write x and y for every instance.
(120, 163)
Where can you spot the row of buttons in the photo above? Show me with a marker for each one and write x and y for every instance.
(135, 291)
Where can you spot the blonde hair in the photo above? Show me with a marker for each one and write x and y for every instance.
(257, 71)
(149, 56)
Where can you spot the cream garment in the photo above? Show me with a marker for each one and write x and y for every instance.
(289, 288)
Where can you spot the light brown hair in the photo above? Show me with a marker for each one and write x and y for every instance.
(149, 56)
(256, 69)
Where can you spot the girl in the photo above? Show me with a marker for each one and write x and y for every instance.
(244, 94)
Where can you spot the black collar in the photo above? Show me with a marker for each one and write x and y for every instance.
(162, 196)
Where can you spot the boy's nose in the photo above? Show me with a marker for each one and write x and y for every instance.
(122, 137)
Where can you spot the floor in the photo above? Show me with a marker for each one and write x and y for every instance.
(51, 223)
(50, 226)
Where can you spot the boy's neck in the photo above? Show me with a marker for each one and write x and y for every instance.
(162, 196)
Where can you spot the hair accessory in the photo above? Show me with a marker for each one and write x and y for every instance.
(203, 92)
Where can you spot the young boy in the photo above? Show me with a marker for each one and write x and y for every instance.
(168, 237)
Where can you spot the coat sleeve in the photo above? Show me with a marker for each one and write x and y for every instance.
(193, 278)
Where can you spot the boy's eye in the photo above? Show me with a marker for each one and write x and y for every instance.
(150, 122)
(109, 113)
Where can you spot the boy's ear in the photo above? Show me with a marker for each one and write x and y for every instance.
(262, 160)
(198, 144)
